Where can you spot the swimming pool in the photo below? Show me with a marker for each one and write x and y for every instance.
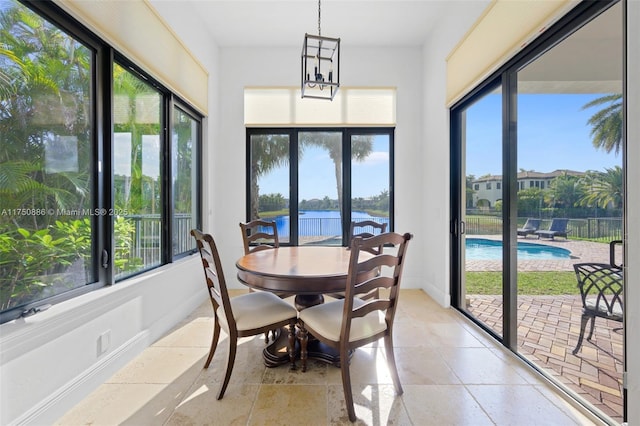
(483, 249)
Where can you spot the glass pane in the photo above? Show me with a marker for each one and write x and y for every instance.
(269, 177)
(137, 173)
(184, 163)
(370, 179)
(570, 188)
(482, 238)
(46, 161)
(320, 188)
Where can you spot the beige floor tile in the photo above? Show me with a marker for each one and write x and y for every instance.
(410, 333)
(126, 404)
(521, 405)
(480, 366)
(368, 366)
(452, 334)
(162, 365)
(416, 305)
(568, 408)
(248, 367)
(200, 406)
(316, 374)
(451, 373)
(443, 405)
(195, 333)
(423, 366)
(374, 405)
(284, 405)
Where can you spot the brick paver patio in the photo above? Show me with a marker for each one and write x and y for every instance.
(548, 329)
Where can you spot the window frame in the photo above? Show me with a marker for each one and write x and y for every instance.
(103, 58)
(347, 133)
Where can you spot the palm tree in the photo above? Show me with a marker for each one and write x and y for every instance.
(268, 152)
(361, 148)
(607, 122)
(567, 191)
(603, 188)
(47, 95)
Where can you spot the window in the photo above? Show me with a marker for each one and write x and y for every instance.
(542, 185)
(184, 179)
(324, 178)
(137, 173)
(476, 186)
(498, 185)
(47, 189)
(61, 208)
(488, 185)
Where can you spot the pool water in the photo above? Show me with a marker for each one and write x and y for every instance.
(483, 249)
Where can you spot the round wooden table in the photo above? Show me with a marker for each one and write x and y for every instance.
(308, 272)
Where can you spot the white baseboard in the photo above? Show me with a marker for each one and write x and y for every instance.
(57, 404)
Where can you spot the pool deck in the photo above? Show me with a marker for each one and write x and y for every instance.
(581, 251)
(548, 328)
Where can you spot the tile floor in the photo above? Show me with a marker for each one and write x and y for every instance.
(451, 373)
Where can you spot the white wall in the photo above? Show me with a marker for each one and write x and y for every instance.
(242, 67)
(435, 156)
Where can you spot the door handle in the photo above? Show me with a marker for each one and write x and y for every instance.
(612, 253)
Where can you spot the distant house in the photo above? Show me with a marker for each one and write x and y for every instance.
(488, 189)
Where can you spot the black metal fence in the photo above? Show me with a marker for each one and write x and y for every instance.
(146, 242)
(592, 228)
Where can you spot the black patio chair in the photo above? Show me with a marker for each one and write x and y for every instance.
(601, 290)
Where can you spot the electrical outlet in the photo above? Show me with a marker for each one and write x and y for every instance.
(104, 342)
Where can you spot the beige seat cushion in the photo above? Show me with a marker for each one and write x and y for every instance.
(256, 310)
(616, 310)
(326, 319)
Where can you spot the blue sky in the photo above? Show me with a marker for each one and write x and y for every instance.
(552, 134)
(317, 175)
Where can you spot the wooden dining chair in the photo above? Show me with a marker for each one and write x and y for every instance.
(247, 315)
(351, 322)
(259, 235)
(367, 229)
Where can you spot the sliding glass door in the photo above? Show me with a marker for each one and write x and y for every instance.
(570, 162)
(537, 201)
(480, 229)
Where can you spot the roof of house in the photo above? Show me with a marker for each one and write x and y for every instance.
(531, 174)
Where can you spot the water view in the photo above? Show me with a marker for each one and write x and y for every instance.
(483, 249)
(321, 223)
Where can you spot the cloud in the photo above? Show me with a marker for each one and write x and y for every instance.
(375, 158)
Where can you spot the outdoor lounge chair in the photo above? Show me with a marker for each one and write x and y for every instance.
(558, 228)
(529, 227)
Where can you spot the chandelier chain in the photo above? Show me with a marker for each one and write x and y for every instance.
(319, 33)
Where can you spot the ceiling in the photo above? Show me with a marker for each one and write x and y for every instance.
(237, 23)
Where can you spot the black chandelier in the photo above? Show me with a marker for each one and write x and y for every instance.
(320, 65)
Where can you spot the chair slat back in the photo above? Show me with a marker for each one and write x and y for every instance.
(559, 225)
(603, 284)
(259, 235)
(213, 274)
(367, 229)
(532, 224)
(382, 271)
